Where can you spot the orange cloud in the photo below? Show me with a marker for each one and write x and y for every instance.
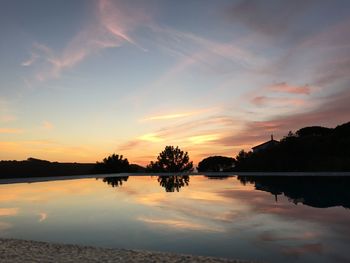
(47, 125)
(151, 137)
(169, 116)
(199, 139)
(180, 224)
(10, 130)
(179, 114)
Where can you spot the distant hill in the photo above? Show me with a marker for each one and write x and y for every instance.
(309, 149)
(34, 167)
(40, 168)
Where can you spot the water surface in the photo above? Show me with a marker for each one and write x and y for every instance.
(290, 220)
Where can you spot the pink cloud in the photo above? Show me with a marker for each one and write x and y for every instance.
(277, 101)
(334, 110)
(120, 19)
(110, 30)
(30, 61)
(284, 87)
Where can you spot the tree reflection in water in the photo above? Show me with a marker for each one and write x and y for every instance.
(320, 191)
(173, 183)
(115, 181)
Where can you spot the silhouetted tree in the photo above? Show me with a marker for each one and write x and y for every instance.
(289, 137)
(313, 131)
(216, 164)
(173, 183)
(113, 164)
(172, 160)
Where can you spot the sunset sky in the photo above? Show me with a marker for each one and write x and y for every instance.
(86, 78)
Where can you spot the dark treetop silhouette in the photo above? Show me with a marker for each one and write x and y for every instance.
(171, 160)
(116, 163)
(113, 164)
(216, 164)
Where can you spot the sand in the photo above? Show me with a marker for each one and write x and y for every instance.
(12, 250)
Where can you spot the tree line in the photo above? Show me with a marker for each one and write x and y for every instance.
(312, 148)
(308, 149)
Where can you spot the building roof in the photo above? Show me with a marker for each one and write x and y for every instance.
(265, 143)
(270, 142)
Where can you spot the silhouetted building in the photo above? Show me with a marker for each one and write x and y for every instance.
(265, 145)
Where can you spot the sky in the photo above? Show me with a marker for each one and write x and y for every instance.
(83, 79)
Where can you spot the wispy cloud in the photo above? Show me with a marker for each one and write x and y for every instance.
(292, 89)
(120, 19)
(205, 138)
(31, 60)
(277, 101)
(179, 115)
(151, 137)
(168, 116)
(193, 135)
(114, 22)
(194, 53)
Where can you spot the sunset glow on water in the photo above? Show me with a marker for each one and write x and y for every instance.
(202, 216)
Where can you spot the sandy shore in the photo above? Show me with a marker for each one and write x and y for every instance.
(12, 250)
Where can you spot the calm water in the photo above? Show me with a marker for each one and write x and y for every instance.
(290, 220)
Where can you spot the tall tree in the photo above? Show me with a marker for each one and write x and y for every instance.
(171, 159)
(114, 163)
